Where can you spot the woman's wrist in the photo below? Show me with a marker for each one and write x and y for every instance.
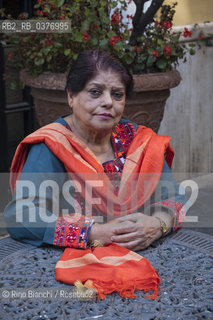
(164, 220)
(94, 233)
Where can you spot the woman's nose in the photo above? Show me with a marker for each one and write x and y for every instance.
(107, 99)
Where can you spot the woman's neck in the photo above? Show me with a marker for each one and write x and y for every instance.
(98, 142)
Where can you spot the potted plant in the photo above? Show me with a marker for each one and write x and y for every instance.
(146, 44)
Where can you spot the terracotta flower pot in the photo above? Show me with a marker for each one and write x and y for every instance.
(145, 107)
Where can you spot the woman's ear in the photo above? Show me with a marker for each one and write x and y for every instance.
(70, 98)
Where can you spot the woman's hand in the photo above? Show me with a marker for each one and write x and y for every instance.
(105, 232)
(140, 234)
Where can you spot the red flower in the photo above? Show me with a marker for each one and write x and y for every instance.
(39, 1)
(47, 42)
(129, 16)
(155, 54)
(113, 41)
(167, 50)
(10, 55)
(136, 49)
(39, 13)
(187, 33)
(62, 18)
(46, 13)
(94, 26)
(131, 29)
(200, 36)
(166, 24)
(115, 19)
(86, 36)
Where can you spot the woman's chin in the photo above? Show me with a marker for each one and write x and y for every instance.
(104, 125)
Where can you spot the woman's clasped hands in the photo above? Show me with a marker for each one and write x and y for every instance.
(134, 232)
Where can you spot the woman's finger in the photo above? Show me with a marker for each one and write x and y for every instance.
(129, 245)
(127, 237)
(130, 217)
(125, 228)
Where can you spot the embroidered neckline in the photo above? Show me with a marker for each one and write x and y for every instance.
(121, 137)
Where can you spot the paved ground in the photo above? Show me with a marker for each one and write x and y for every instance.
(201, 210)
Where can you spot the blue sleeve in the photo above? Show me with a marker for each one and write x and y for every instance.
(42, 209)
(23, 218)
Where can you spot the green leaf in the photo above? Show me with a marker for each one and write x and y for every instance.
(85, 26)
(129, 59)
(39, 62)
(160, 42)
(149, 50)
(46, 50)
(77, 36)
(75, 56)
(192, 51)
(141, 58)
(47, 9)
(150, 61)
(59, 3)
(104, 43)
(161, 63)
(66, 52)
(120, 54)
(111, 34)
(114, 4)
(3, 43)
(58, 44)
(94, 41)
(49, 57)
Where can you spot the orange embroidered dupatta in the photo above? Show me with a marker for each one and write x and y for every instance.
(145, 156)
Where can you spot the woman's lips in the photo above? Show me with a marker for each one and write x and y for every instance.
(105, 115)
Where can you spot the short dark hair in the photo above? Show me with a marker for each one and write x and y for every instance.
(89, 63)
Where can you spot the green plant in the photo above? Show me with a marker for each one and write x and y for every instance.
(144, 43)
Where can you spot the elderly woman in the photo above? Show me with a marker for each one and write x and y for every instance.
(92, 174)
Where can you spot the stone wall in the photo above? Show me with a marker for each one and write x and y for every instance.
(188, 116)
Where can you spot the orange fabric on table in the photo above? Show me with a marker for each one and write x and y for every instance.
(111, 268)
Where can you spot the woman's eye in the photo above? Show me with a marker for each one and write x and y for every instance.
(95, 92)
(118, 95)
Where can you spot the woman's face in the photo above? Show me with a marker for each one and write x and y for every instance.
(99, 106)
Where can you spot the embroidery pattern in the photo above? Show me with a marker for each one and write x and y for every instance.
(121, 138)
(178, 211)
(69, 234)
